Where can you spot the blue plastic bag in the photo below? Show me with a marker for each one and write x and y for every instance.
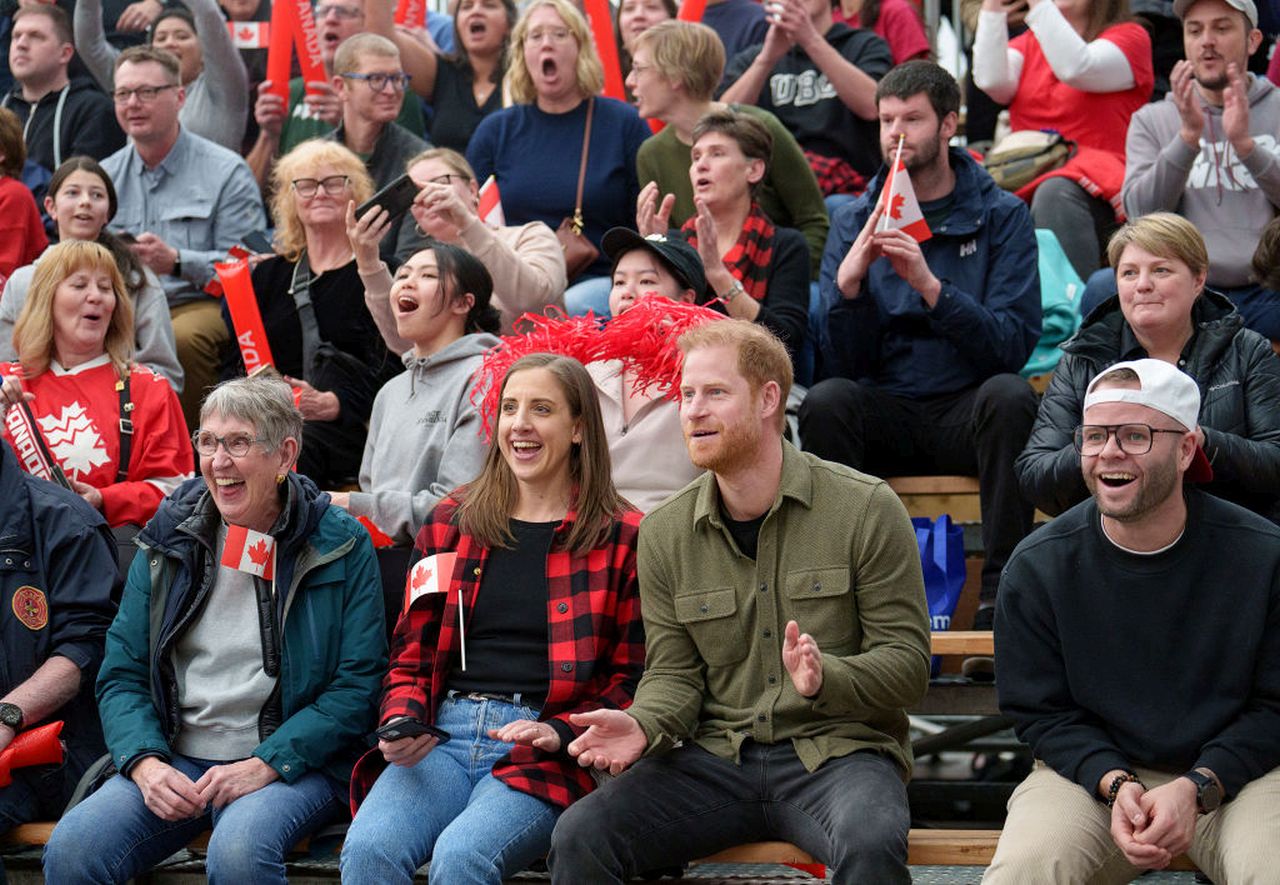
(941, 546)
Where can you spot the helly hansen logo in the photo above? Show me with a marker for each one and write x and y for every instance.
(969, 248)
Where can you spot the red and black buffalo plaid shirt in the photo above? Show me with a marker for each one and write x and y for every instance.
(595, 646)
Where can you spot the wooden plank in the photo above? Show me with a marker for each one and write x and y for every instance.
(29, 834)
(760, 852)
(933, 485)
(963, 642)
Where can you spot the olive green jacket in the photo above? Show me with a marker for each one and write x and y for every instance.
(837, 554)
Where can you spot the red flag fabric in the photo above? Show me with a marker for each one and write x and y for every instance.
(606, 46)
(428, 575)
(691, 10)
(249, 551)
(901, 208)
(412, 13)
(490, 208)
(250, 35)
(251, 335)
(379, 538)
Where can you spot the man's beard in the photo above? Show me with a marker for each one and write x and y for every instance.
(737, 447)
(1158, 482)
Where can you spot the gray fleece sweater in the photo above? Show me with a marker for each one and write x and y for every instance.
(1230, 200)
(424, 438)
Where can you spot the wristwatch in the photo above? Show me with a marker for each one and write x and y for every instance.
(734, 291)
(11, 715)
(1208, 793)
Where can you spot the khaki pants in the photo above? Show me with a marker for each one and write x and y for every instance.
(200, 333)
(1058, 833)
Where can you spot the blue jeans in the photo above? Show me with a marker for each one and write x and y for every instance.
(451, 809)
(112, 836)
(589, 294)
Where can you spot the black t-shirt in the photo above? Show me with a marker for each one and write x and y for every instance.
(454, 102)
(802, 97)
(506, 635)
(746, 533)
(936, 212)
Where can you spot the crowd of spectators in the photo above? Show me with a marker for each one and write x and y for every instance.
(746, 170)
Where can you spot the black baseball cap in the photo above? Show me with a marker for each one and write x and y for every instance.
(673, 251)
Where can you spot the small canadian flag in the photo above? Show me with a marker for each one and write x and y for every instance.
(490, 208)
(250, 35)
(250, 551)
(429, 575)
(901, 208)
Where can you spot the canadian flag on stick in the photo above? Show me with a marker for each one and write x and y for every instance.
(250, 551)
(250, 35)
(901, 208)
(432, 574)
(490, 208)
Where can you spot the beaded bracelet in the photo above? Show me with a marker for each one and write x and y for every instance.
(1119, 781)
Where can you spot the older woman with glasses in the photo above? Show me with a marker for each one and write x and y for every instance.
(1164, 311)
(525, 261)
(241, 675)
(535, 147)
(214, 77)
(310, 297)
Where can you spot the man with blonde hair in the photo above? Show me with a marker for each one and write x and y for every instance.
(786, 632)
(674, 72)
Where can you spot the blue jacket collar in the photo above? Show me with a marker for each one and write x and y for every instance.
(973, 193)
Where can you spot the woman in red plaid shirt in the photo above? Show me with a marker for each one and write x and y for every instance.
(521, 609)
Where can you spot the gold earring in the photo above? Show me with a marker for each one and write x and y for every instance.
(279, 478)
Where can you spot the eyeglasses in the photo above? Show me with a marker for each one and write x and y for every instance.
(447, 178)
(1133, 439)
(378, 82)
(554, 35)
(236, 444)
(334, 186)
(145, 94)
(348, 13)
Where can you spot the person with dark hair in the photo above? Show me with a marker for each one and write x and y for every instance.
(537, 619)
(81, 201)
(819, 78)
(464, 86)
(678, 66)
(1081, 70)
(787, 633)
(22, 235)
(633, 18)
(926, 338)
(896, 21)
(425, 437)
(756, 270)
(62, 116)
(212, 73)
(309, 295)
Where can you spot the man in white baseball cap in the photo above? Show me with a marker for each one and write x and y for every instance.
(1138, 654)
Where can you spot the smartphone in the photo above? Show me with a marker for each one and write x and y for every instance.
(408, 728)
(258, 242)
(396, 198)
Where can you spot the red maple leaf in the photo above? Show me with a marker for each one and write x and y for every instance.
(259, 552)
(896, 202)
(419, 578)
(245, 34)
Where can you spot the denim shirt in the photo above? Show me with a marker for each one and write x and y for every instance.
(201, 199)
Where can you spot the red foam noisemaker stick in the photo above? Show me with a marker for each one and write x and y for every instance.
(606, 46)
(306, 41)
(36, 746)
(691, 10)
(411, 13)
(280, 50)
(251, 334)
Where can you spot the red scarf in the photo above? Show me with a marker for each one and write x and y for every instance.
(749, 258)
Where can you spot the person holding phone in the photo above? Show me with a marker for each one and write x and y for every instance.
(524, 610)
(311, 301)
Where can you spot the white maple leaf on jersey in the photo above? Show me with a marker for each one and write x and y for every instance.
(74, 440)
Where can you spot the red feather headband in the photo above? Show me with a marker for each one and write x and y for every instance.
(644, 338)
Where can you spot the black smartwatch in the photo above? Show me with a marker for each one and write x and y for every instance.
(11, 715)
(1208, 793)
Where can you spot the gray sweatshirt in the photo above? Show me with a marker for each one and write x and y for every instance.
(1230, 200)
(154, 345)
(424, 438)
(217, 105)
